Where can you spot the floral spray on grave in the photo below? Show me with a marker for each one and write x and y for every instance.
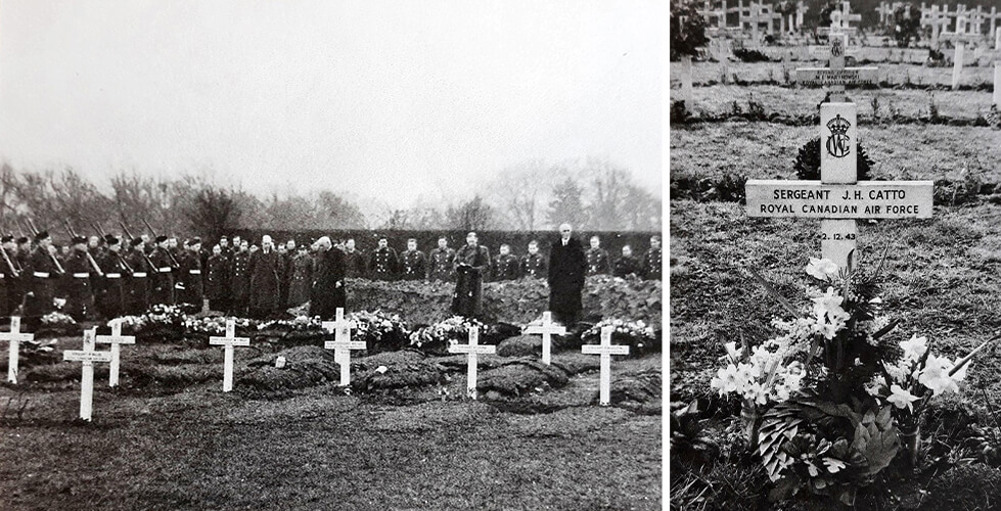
(833, 399)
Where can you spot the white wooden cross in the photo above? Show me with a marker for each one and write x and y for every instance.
(116, 339)
(88, 356)
(342, 344)
(14, 338)
(547, 329)
(606, 349)
(228, 341)
(838, 199)
(471, 350)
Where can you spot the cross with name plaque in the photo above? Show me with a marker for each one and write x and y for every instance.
(88, 356)
(606, 349)
(14, 338)
(342, 344)
(547, 329)
(227, 342)
(838, 199)
(471, 350)
(116, 339)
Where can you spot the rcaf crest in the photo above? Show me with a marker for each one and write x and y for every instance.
(838, 143)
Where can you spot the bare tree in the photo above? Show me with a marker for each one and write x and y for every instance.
(521, 193)
(213, 212)
(473, 215)
(567, 204)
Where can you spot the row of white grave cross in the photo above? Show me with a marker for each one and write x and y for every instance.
(342, 346)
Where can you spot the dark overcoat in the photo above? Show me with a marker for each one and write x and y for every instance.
(567, 267)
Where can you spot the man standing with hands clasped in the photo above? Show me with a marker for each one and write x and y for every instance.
(567, 266)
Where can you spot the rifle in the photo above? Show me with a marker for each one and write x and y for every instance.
(10, 264)
(34, 232)
(172, 258)
(103, 235)
(90, 258)
(149, 261)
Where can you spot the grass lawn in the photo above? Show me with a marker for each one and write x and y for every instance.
(942, 281)
(761, 150)
(193, 447)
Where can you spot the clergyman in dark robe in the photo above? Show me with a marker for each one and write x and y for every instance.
(567, 267)
(263, 271)
(328, 280)
(471, 261)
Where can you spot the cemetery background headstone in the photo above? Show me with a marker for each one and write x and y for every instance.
(957, 65)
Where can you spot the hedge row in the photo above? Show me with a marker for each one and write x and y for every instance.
(366, 239)
(517, 302)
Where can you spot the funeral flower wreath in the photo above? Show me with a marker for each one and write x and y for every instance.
(831, 401)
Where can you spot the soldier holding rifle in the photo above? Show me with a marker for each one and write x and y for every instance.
(79, 297)
(111, 294)
(9, 278)
(45, 272)
(139, 285)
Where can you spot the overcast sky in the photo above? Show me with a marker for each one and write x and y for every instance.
(396, 100)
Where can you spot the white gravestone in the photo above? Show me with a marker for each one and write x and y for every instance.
(547, 329)
(606, 349)
(228, 341)
(88, 356)
(957, 65)
(14, 338)
(116, 339)
(996, 100)
(472, 349)
(342, 344)
(838, 199)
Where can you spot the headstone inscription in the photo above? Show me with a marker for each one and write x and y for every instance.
(606, 349)
(838, 198)
(228, 342)
(14, 338)
(87, 357)
(471, 350)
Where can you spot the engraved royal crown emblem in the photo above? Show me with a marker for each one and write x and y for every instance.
(838, 143)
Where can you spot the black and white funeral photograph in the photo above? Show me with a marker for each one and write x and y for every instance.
(340, 254)
(835, 255)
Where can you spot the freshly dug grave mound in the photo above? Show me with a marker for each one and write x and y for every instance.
(642, 390)
(520, 377)
(576, 363)
(305, 366)
(394, 371)
(60, 372)
(170, 378)
(520, 346)
(411, 375)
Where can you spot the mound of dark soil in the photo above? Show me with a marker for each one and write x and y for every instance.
(520, 377)
(305, 366)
